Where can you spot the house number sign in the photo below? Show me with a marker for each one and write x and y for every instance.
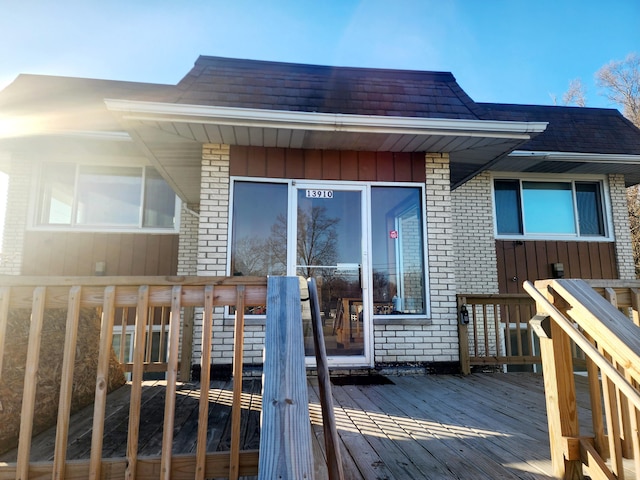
(319, 193)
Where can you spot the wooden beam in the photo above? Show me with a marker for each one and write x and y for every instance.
(285, 437)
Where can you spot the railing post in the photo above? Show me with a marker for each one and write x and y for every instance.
(559, 388)
(463, 336)
(285, 437)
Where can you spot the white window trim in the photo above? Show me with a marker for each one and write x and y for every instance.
(606, 206)
(34, 225)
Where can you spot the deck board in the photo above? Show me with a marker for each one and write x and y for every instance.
(482, 426)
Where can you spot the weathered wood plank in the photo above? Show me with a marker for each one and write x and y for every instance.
(66, 382)
(205, 375)
(30, 382)
(285, 443)
(238, 356)
(136, 382)
(172, 377)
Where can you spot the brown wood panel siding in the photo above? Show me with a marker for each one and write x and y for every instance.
(76, 253)
(518, 261)
(327, 164)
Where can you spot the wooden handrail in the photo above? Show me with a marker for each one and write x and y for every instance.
(331, 439)
(570, 310)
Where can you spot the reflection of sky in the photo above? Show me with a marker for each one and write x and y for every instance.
(548, 207)
(259, 204)
(346, 206)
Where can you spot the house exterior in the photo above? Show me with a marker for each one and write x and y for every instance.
(393, 188)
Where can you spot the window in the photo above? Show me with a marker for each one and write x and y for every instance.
(259, 236)
(85, 196)
(545, 208)
(398, 254)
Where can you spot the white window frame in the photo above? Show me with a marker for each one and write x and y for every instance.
(34, 208)
(523, 177)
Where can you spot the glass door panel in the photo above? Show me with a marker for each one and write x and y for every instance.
(329, 247)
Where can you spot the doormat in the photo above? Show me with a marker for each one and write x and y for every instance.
(361, 380)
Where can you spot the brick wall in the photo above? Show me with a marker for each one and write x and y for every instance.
(188, 244)
(621, 228)
(474, 240)
(17, 212)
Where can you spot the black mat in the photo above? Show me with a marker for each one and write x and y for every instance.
(361, 380)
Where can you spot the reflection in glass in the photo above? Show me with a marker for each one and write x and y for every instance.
(548, 207)
(329, 248)
(398, 251)
(109, 196)
(159, 201)
(259, 233)
(56, 196)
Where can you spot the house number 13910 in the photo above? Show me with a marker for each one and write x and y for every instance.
(319, 193)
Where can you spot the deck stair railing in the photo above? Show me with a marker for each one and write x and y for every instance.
(606, 445)
(164, 300)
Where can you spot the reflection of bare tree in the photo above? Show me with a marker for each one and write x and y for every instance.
(317, 239)
(249, 256)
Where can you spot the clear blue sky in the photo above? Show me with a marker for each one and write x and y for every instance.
(513, 51)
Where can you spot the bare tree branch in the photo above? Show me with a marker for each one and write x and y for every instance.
(575, 94)
(621, 81)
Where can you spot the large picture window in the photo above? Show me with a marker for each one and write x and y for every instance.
(549, 208)
(87, 196)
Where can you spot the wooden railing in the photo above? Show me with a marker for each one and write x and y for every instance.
(494, 330)
(607, 444)
(145, 301)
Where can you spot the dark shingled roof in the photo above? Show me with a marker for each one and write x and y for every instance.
(228, 82)
(572, 129)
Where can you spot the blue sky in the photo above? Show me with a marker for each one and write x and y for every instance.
(512, 51)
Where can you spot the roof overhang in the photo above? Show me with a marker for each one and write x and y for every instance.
(574, 163)
(172, 135)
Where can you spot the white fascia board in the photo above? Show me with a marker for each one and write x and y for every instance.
(253, 117)
(578, 157)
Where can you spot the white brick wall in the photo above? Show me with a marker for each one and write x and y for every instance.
(621, 228)
(474, 240)
(19, 188)
(188, 242)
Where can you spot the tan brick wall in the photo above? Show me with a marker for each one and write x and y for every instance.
(17, 212)
(621, 228)
(474, 239)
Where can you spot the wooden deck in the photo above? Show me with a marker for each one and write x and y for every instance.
(483, 426)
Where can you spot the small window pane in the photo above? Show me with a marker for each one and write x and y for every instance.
(398, 251)
(548, 208)
(159, 201)
(109, 196)
(56, 195)
(259, 236)
(589, 208)
(508, 211)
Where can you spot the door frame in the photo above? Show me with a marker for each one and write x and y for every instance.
(365, 360)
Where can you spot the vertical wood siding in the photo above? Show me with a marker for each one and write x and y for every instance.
(327, 164)
(76, 253)
(531, 260)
